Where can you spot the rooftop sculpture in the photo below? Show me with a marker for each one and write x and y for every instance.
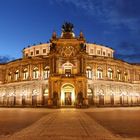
(67, 27)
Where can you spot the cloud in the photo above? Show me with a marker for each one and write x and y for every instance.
(113, 12)
(121, 16)
(128, 51)
(4, 59)
(129, 47)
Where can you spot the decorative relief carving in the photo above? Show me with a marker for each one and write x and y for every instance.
(67, 51)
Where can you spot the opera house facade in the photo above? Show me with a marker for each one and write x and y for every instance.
(68, 71)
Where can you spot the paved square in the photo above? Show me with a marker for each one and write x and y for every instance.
(70, 124)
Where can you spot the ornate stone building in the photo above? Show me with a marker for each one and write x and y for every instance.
(68, 71)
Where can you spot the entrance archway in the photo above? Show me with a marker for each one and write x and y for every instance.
(90, 96)
(67, 94)
(112, 99)
(101, 97)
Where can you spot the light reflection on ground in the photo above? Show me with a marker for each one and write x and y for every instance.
(13, 120)
(71, 122)
(120, 121)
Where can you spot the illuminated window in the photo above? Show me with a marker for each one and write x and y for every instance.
(46, 92)
(31, 53)
(91, 50)
(99, 73)
(98, 52)
(46, 72)
(89, 72)
(37, 51)
(25, 74)
(89, 92)
(44, 50)
(26, 54)
(9, 76)
(125, 76)
(17, 75)
(118, 75)
(110, 73)
(104, 53)
(67, 69)
(35, 73)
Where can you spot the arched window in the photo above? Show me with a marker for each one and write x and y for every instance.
(46, 72)
(125, 76)
(35, 73)
(17, 75)
(89, 92)
(89, 72)
(45, 96)
(34, 97)
(25, 74)
(90, 96)
(118, 75)
(101, 96)
(9, 76)
(67, 67)
(110, 73)
(99, 73)
(46, 91)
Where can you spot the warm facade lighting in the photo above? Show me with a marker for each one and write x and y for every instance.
(68, 71)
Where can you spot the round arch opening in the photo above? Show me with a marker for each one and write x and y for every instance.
(67, 94)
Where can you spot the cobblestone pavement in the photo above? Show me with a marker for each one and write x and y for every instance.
(65, 124)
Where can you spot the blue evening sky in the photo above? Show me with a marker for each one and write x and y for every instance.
(114, 23)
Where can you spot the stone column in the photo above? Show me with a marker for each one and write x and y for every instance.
(50, 92)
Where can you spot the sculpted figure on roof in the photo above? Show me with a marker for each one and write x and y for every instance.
(67, 27)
